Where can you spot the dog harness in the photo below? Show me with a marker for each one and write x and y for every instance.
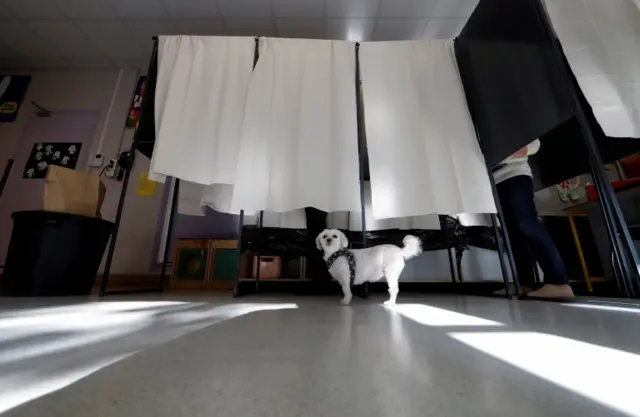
(351, 261)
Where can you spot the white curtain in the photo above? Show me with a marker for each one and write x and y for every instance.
(353, 220)
(424, 157)
(295, 219)
(601, 39)
(189, 199)
(200, 101)
(299, 143)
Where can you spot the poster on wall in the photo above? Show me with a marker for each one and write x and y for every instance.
(134, 110)
(12, 91)
(145, 185)
(64, 154)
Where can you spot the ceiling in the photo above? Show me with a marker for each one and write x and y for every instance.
(63, 34)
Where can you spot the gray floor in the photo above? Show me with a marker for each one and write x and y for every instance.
(295, 356)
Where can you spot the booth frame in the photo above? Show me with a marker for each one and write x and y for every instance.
(128, 158)
(624, 253)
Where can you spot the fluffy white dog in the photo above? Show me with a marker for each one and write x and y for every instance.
(357, 266)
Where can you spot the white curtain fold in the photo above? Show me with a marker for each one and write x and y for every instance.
(601, 39)
(424, 157)
(299, 138)
(200, 101)
(189, 199)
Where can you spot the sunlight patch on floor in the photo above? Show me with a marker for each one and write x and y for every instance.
(602, 374)
(439, 317)
(619, 307)
(43, 350)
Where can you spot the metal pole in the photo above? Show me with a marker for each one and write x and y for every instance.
(349, 229)
(260, 219)
(494, 218)
(618, 263)
(447, 237)
(459, 254)
(621, 241)
(361, 155)
(503, 267)
(123, 195)
(621, 269)
(536, 274)
(236, 277)
(5, 174)
(507, 241)
(116, 226)
(167, 243)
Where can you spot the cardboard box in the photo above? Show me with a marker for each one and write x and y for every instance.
(70, 191)
(270, 267)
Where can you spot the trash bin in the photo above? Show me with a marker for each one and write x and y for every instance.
(54, 254)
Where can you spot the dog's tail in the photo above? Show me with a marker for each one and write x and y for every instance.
(412, 247)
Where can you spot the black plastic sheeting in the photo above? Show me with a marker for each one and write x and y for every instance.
(275, 241)
(145, 135)
(500, 20)
(511, 94)
(551, 164)
(517, 91)
(295, 242)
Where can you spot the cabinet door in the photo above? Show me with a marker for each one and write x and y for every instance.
(192, 264)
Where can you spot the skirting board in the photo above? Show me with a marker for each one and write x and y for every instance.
(143, 282)
(120, 282)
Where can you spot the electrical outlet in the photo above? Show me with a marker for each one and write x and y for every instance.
(112, 169)
(96, 161)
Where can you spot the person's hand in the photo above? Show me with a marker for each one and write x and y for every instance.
(520, 154)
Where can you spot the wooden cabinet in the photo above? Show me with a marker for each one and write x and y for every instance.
(206, 264)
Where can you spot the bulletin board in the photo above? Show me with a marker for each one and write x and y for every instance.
(64, 154)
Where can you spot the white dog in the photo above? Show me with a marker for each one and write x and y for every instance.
(356, 266)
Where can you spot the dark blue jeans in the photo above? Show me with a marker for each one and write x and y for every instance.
(527, 234)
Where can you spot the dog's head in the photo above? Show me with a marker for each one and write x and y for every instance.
(331, 240)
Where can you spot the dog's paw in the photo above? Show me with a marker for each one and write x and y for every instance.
(389, 303)
(346, 301)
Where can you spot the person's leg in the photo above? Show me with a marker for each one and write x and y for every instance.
(525, 217)
(519, 245)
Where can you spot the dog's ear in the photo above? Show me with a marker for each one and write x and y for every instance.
(318, 241)
(344, 242)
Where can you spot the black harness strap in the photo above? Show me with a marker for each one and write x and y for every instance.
(351, 261)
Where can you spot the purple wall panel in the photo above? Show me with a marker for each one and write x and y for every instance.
(213, 225)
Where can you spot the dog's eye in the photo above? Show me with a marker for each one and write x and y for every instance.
(335, 236)
(324, 237)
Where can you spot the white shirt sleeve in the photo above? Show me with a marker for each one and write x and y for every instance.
(533, 147)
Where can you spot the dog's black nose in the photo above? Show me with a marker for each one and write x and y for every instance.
(328, 241)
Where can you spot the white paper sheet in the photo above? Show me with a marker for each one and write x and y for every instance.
(424, 157)
(299, 138)
(601, 39)
(200, 101)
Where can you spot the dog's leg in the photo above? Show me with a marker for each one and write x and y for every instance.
(393, 293)
(346, 291)
(392, 274)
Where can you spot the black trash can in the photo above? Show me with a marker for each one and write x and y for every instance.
(54, 254)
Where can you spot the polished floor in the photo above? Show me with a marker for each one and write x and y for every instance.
(300, 356)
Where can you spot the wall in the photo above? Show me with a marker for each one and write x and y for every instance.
(548, 201)
(93, 90)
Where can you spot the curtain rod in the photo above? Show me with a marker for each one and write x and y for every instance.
(155, 38)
